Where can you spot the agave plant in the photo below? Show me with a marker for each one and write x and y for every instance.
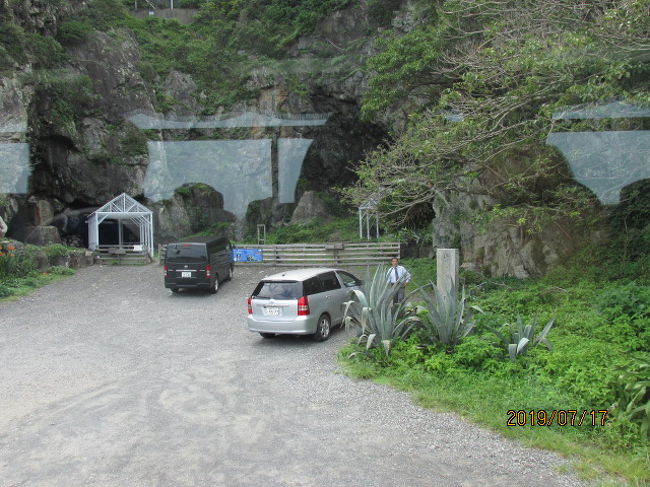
(445, 318)
(523, 337)
(372, 312)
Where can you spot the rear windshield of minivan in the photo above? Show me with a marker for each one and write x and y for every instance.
(278, 290)
(186, 253)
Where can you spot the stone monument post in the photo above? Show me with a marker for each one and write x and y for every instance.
(447, 270)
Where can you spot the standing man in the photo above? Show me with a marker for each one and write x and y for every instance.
(398, 274)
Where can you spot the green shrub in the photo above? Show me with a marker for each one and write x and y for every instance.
(581, 367)
(409, 353)
(31, 282)
(74, 32)
(440, 362)
(18, 264)
(12, 40)
(316, 231)
(105, 14)
(61, 270)
(134, 142)
(381, 11)
(5, 291)
(631, 388)
(45, 51)
(57, 250)
(470, 278)
(423, 270)
(628, 299)
(475, 352)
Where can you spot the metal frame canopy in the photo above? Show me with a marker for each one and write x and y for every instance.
(122, 208)
(366, 211)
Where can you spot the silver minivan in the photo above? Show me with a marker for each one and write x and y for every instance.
(300, 302)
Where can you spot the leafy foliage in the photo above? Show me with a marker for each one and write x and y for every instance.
(345, 229)
(61, 270)
(16, 264)
(478, 84)
(229, 40)
(18, 46)
(599, 305)
(58, 250)
(67, 96)
(632, 390)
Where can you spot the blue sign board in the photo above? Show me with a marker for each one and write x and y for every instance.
(247, 255)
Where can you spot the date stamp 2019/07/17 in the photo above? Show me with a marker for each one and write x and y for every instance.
(560, 417)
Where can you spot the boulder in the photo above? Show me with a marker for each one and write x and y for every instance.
(42, 235)
(310, 207)
(42, 211)
(193, 208)
(42, 261)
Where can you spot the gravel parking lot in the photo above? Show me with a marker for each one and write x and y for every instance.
(110, 380)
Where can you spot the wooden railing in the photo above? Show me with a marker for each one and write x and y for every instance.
(325, 254)
(123, 254)
(318, 254)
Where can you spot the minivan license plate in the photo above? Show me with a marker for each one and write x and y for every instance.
(271, 311)
(186, 274)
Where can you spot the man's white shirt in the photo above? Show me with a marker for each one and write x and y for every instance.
(402, 274)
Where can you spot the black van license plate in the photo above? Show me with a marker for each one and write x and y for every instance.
(186, 274)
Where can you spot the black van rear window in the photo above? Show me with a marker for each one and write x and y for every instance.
(186, 252)
(278, 290)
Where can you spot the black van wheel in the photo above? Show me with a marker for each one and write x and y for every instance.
(174, 289)
(231, 271)
(215, 286)
(323, 328)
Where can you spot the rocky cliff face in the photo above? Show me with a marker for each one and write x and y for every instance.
(74, 126)
(84, 150)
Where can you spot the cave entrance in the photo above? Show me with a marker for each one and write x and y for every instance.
(122, 224)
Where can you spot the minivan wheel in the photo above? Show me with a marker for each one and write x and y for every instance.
(267, 335)
(231, 271)
(174, 289)
(215, 285)
(323, 329)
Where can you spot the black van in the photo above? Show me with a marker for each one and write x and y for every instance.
(198, 263)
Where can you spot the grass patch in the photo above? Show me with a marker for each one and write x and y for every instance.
(11, 289)
(341, 230)
(59, 250)
(422, 271)
(19, 275)
(216, 229)
(600, 358)
(485, 399)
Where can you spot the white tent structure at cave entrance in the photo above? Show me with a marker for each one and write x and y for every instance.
(127, 214)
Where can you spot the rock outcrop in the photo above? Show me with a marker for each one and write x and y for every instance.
(75, 125)
(192, 209)
(310, 207)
